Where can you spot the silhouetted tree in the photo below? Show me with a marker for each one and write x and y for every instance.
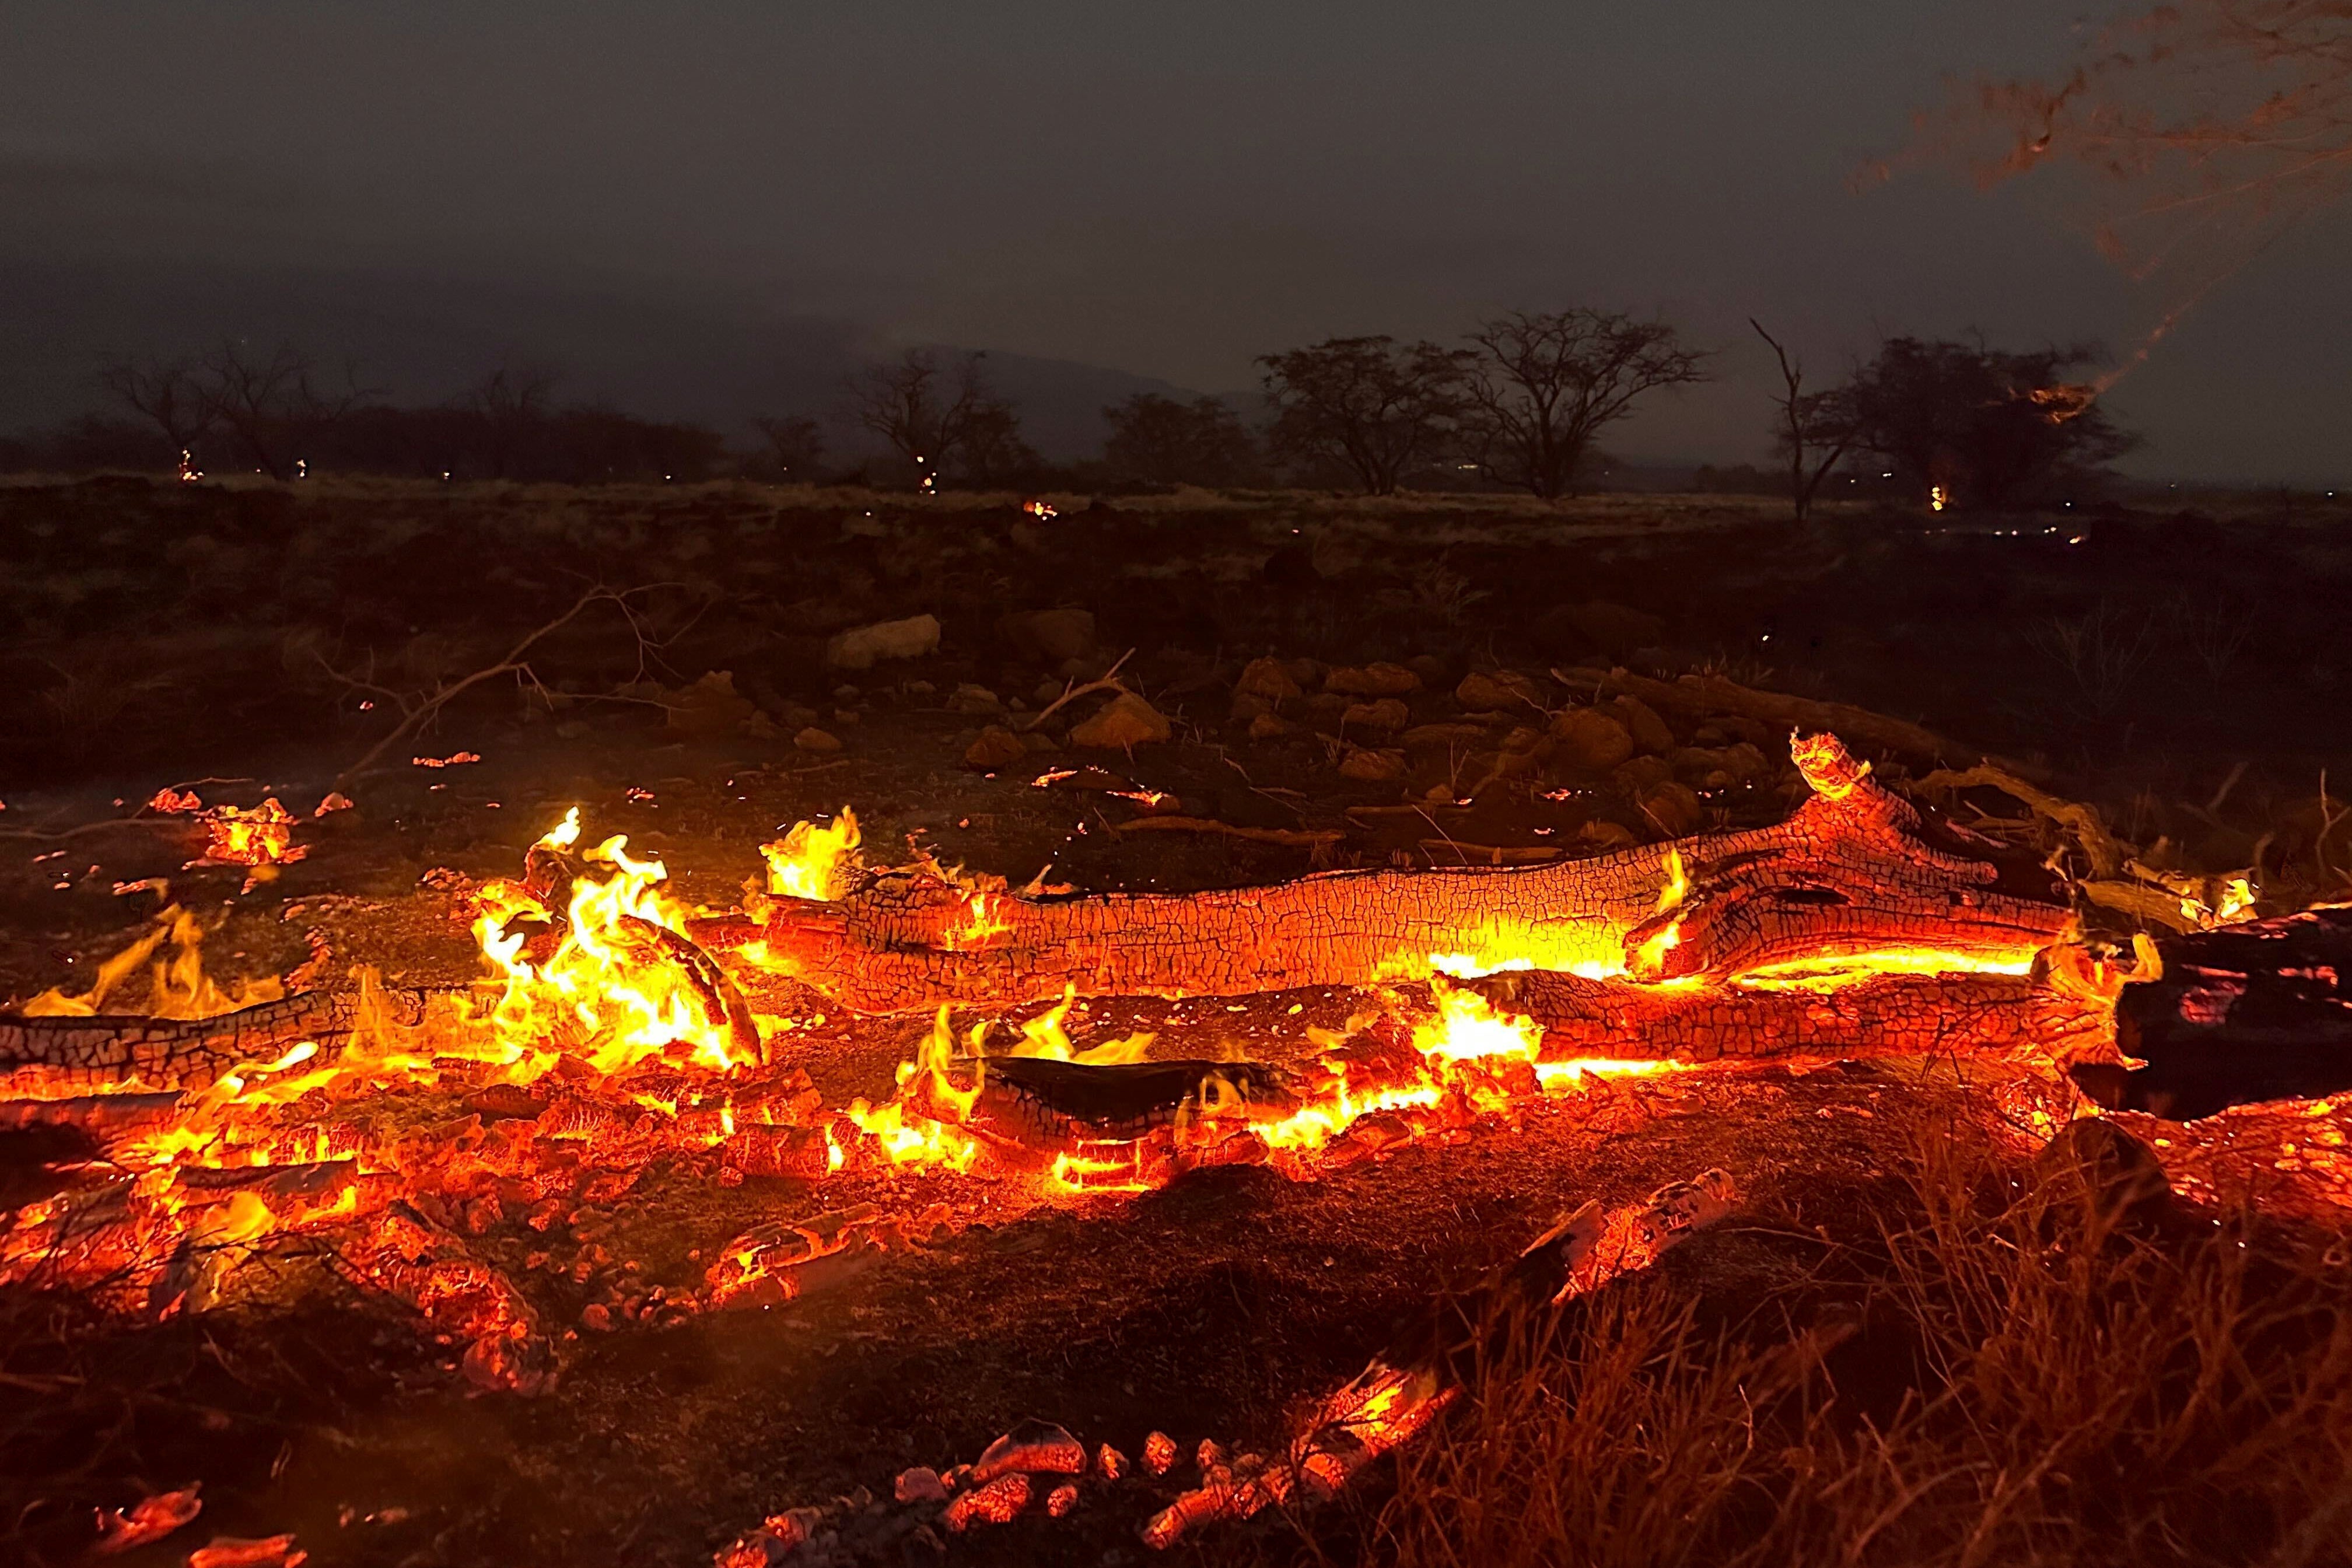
(1368, 406)
(509, 408)
(1542, 385)
(1815, 429)
(1164, 442)
(795, 448)
(273, 409)
(928, 414)
(993, 455)
(166, 394)
(1990, 428)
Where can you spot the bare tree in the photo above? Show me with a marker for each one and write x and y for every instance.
(2206, 126)
(166, 394)
(1371, 406)
(795, 446)
(511, 405)
(1165, 442)
(930, 415)
(273, 407)
(1541, 386)
(1816, 429)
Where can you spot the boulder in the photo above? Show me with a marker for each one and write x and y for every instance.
(1589, 742)
(1387, 713)
(997, 747)
(1673, 809)
(1267, 680)
(1498, 691)
(708, 709)
(1382, 679)
(1268, 727)
(1050, 634)
(861, 648)
(971, 699)
(1650, 732)
(1370, 766)
(1615, 628)
(1125, 721)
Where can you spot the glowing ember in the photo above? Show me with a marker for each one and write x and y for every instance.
(263, 835)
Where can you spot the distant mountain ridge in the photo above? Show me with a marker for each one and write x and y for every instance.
(422, 340)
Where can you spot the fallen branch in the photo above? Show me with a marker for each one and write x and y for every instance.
(1301, 838)
(1107, 681)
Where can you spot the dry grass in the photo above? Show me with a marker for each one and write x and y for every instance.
(1999, 1373)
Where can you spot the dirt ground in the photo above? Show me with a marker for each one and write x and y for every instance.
(2182, 672)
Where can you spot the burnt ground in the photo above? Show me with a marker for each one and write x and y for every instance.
(227, 638)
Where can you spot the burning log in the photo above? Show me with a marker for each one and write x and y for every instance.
(1854, 871)
(95, 1050)
(410, 1258)
(1761, 1015)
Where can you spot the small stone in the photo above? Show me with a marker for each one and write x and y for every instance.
(1062, 1499)
(1053, 635)
(1590, 740)
(1382, 680)
(1038, 740)
(1268, 680)
(1639, 774)
(971, 699)
(708, 709)
(1248, 707)
(1387, 713)
(1126, 721)
(1497, 691)
(861, 648)
(920, 1484)
(1158, 1453)
(997, 747)
(1268, 727)
(1370, 766)
(816, 739)
(1046, 691)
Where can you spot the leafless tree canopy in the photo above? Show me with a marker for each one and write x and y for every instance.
(2207, 124)
(166, 392)
(1163, 441)
(1814, 429)
(937, 417)
(1367, 407)
(1542, 385)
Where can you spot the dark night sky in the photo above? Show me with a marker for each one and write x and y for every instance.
(1167, 189)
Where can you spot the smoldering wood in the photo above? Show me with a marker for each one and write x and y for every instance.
(95, 1051)
(2243, 1014)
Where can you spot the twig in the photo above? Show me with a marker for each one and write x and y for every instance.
(1109, 682)
(424, 710)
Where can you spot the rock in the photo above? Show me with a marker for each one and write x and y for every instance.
(1045, 692)
(1640, 774)
(1268, 727)
(1038, 740)
(1429, 667)
(1590, 742)
(759, 727)
(1605, 835)
(921, 1484)
(1387, 713)
(1522, 741)
(971, 699)
(816, 739)
(1433, 735)
(1650, 732)
(1033, 1447)
(708, 709)
(1615, 628)
(862, 646)
(1267, 680)
(1496, 692)
(2116, 1174)
(1372, 681)
(1248, 706)
(1053, 635)
(1673, 809)
(1370, 766)
(997, 747)
(1125, 721)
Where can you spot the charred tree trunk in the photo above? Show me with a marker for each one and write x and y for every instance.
(1854, 871)
(2247, 1013)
